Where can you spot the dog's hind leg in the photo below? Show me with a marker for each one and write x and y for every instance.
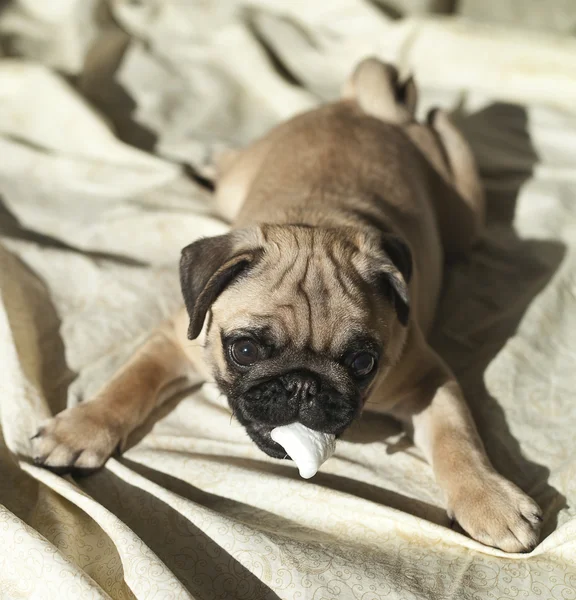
(376, 88)
(462, 165)
(236, 171)
(459, 205)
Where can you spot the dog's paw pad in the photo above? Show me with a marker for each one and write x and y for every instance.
(497, 513)
(78, 439)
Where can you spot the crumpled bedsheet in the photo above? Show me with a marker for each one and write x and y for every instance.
(109, 116)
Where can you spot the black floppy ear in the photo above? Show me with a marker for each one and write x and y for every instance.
(395, 274)
(207, 267)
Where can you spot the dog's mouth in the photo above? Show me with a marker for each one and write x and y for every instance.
(260, 430)
(260, 435)
(293, 397)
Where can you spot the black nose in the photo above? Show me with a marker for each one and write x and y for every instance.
(301, 385)
(298, 395)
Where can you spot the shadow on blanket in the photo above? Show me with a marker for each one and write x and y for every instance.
(11, 228)
(199, 562)
(500, 279)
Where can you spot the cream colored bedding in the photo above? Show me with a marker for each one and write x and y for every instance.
(91, 232)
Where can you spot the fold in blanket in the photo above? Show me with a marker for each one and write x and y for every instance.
(107, 123)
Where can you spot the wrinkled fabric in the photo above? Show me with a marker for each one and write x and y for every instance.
(109, 116)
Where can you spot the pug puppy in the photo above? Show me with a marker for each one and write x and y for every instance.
(321, 297)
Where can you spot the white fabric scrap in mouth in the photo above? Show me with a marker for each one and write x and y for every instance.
(309, 449)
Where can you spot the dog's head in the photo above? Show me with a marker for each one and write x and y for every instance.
(299, 322)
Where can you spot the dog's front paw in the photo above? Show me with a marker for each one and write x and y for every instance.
(495, 512)
(81, 438)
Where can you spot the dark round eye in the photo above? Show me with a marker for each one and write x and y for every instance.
(245, 352)
(363, 364)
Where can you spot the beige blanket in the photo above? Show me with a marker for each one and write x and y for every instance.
(91, 230)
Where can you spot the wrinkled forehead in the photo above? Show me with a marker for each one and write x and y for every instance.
(306, 300)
